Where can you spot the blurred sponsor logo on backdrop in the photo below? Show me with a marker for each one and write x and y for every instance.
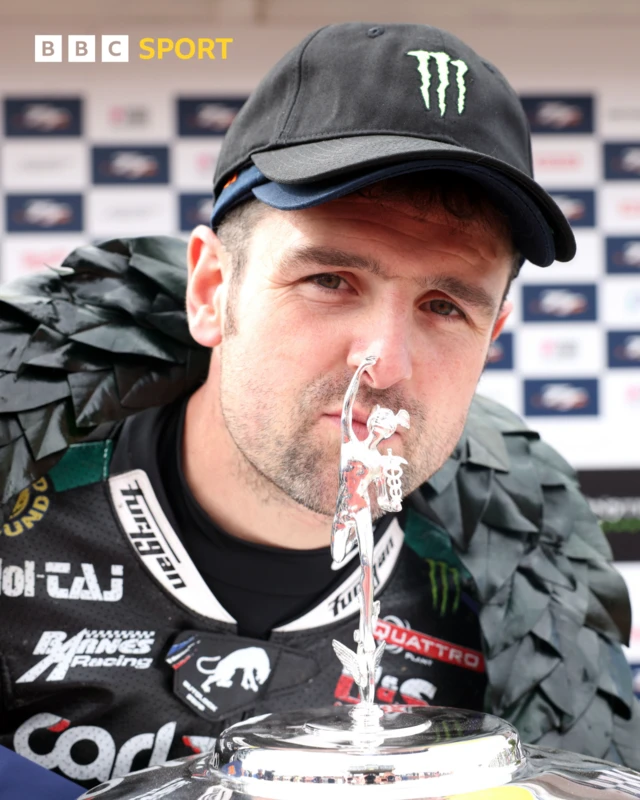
(561, 397)
(622, 161)
(130, 164)
(133, 211)
(207, 116)
(623, 255)
(578, 206)
(624, 349)
(620, 207)
(42, 116)
(621, 303)
(61, 165)
(23, 254)
(44, 213)
(561, 350)
(132, 117)
(195, 209)
(565, 162)
(500, 354)
(572, 302)
(564, 114)
(194, 164)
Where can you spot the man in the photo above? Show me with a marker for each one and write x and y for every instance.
(171, 574)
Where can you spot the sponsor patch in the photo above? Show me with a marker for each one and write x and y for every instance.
(30, 507)
(158, 547)
(61, 581)
(343, 601)
(420, 644)
(218, 676)
(88, 752)
(89, 649)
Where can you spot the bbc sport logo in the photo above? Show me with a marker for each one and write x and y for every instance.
(114, 48)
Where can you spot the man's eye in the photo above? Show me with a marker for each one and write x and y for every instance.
(444, 308)
(327, 281)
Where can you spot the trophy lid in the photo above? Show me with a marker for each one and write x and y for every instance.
(401, 752)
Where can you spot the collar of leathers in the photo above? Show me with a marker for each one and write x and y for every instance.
(106, 335)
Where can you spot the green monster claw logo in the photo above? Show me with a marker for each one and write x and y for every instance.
(442, 60)
(441, 576)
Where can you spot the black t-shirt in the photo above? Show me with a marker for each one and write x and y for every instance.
(261, 587)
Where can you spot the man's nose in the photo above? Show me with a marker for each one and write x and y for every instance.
(387, 337)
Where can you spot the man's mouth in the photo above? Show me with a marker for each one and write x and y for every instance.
(359, 428)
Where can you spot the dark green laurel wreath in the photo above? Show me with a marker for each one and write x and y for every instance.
(106, 336)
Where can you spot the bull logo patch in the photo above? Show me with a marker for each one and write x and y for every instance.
(219, 675)
(251, 662)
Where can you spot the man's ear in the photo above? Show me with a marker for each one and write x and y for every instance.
(206, 286)
(507, 308)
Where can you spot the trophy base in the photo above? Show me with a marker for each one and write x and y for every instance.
(398, 751)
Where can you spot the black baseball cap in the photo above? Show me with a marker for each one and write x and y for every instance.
(355, 103)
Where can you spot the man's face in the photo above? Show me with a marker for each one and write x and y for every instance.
(322, 288)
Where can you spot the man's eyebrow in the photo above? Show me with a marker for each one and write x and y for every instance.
(467, 292)
(316, 256)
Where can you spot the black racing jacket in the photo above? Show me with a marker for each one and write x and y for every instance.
(106, 337)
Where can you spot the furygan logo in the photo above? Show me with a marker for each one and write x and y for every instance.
(30, 507)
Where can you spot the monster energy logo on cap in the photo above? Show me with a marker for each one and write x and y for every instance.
(442, 60)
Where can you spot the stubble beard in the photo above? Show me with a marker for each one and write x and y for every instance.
(289, 453)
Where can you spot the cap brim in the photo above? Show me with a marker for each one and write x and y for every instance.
(329, 160)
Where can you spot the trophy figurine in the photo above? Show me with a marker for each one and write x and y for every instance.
(361, 467)
(366, 750)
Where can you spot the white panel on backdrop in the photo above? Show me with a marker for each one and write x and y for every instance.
(130, 117)
(25, 254)
(586, 266)
(619, 114)
(504, 388)
(619, 207)
(620, 302)
(195, 163)
(60, 166)
(587, 442)
(131, 211)
(571, 350)
(621, 405)
(566, 161)
(630, 571)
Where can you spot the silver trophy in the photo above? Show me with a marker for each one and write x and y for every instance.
(366, 750)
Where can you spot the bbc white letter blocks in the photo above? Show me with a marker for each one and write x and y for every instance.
(48, 47)
(115, 48)
(81, 48)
